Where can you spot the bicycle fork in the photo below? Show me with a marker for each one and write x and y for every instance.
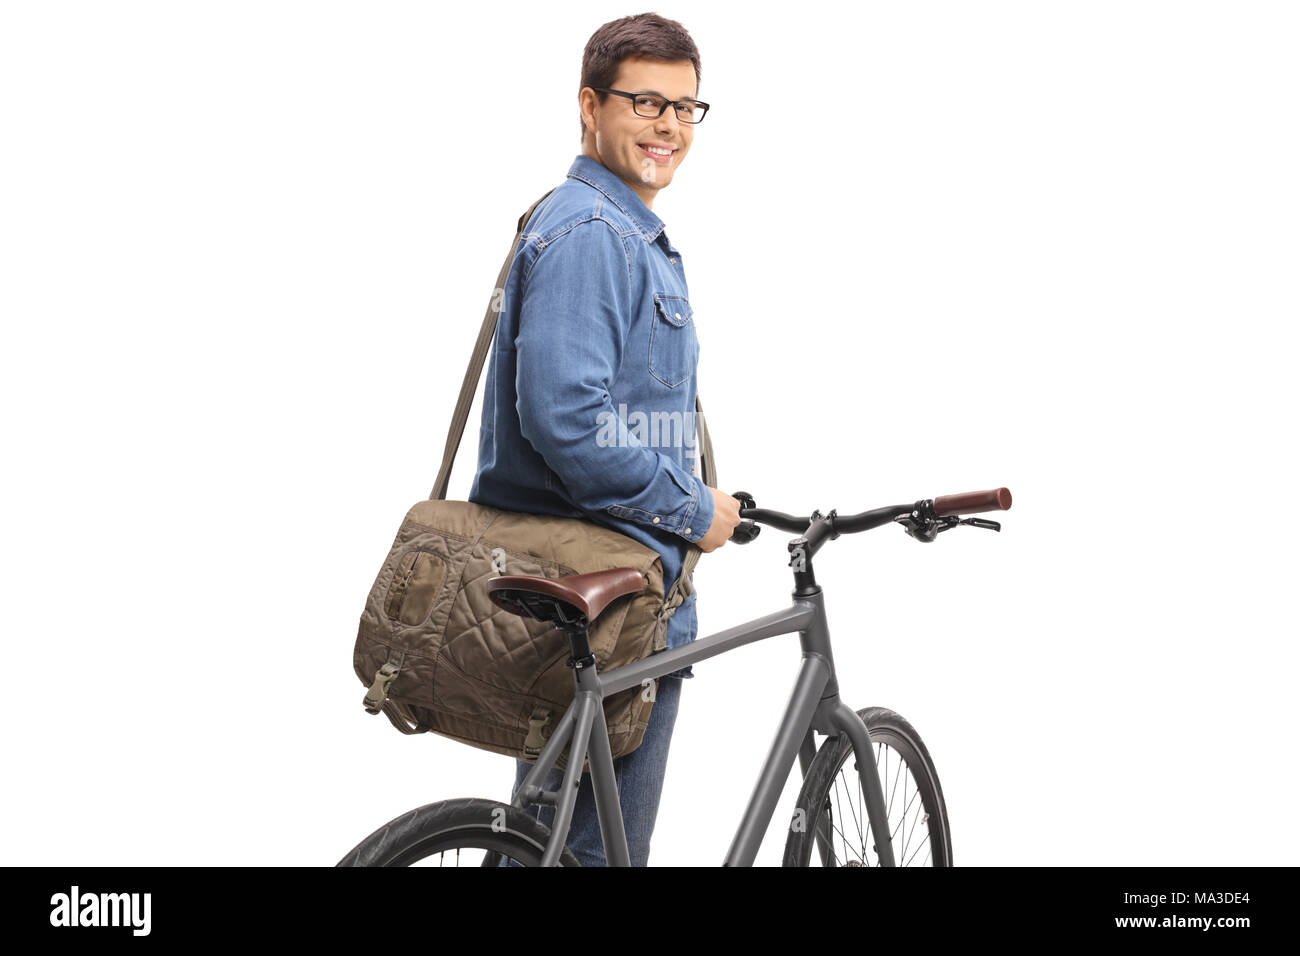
(842, 718)
(809, 711)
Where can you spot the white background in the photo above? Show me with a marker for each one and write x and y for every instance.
(932, 248)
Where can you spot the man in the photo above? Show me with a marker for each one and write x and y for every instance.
(596, 328)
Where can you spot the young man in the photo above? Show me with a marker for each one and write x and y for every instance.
(596, 327)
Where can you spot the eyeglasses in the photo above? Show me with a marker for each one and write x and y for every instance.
(653, 105)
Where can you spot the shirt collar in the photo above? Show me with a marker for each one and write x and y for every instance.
(619, 193)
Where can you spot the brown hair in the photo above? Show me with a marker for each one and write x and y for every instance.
(645, 34)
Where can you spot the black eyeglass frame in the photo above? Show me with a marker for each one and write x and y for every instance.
(703, 107)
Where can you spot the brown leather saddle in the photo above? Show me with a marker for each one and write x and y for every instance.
(570, 603)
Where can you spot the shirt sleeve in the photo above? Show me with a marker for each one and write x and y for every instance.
(574, 319)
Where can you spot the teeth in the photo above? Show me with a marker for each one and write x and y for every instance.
(658, 150)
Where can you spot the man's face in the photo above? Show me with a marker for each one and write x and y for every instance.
(630, 145)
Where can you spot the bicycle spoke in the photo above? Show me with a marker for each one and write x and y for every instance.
(907, 831)
(903, 819)
(844, 836)
(916, 851)
(863, 812)
(904, 810)
(889, 809)
(907, 839)
(828, 816)
(841, 816)
(905, 813)
(848, 849)
(845, 839)
(857, 825)
(857, 821)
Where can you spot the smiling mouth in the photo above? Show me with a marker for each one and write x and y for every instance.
(660, 154)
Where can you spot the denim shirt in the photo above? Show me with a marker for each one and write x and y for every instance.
(589, 407)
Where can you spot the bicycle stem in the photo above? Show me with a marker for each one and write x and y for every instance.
(817, 529)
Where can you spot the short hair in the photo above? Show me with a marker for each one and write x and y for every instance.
(645, 34)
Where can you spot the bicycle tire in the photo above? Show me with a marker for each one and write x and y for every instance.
(468, 823)
(821, 788)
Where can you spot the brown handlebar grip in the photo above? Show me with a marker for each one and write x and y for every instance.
(973, 502)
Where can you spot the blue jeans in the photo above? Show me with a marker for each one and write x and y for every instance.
(640, 778)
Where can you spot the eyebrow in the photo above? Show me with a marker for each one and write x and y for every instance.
(657, 93)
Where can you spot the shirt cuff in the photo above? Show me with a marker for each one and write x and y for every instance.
(700, 517)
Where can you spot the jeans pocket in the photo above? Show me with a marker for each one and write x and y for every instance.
(674, 347)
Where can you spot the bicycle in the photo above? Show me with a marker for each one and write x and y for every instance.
(915, 819)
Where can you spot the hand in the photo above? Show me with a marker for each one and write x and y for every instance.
(726, 515)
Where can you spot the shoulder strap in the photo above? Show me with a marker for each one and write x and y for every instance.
(704, 445)
(470, 385)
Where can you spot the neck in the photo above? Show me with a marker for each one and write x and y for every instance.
(646, 194)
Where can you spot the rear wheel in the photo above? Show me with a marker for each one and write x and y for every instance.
(831, 811)
(466, 832)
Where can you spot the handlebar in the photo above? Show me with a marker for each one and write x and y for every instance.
(922, 519)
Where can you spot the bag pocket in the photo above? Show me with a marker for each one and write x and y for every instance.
(417, 582)
(674, 347)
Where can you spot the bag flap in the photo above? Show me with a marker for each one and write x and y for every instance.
(572, 542)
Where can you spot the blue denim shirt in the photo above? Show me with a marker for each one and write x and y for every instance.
(589, 407)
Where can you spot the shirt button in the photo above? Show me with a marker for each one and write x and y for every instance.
(687, 531)
(677, 316)
(673, 261)
(655, 521)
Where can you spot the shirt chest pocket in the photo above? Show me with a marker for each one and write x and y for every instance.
(674, 349)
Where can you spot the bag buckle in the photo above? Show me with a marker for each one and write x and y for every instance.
(534, 742)
(378, 692)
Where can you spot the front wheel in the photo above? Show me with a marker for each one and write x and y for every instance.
(467, 832)
(831, 812)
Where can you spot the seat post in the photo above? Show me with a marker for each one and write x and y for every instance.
(578, 643)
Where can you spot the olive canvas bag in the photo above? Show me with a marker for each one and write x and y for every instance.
(436, 654)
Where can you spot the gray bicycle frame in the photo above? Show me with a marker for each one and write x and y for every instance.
(814, 705)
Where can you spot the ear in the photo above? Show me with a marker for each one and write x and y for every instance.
(587, 104)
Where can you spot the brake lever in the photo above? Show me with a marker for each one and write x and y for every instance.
(949, 521)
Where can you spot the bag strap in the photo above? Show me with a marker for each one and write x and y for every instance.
(397, 716)
(682, 588)
(475, 370)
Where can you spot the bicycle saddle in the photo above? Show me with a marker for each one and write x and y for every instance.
(571, 602)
